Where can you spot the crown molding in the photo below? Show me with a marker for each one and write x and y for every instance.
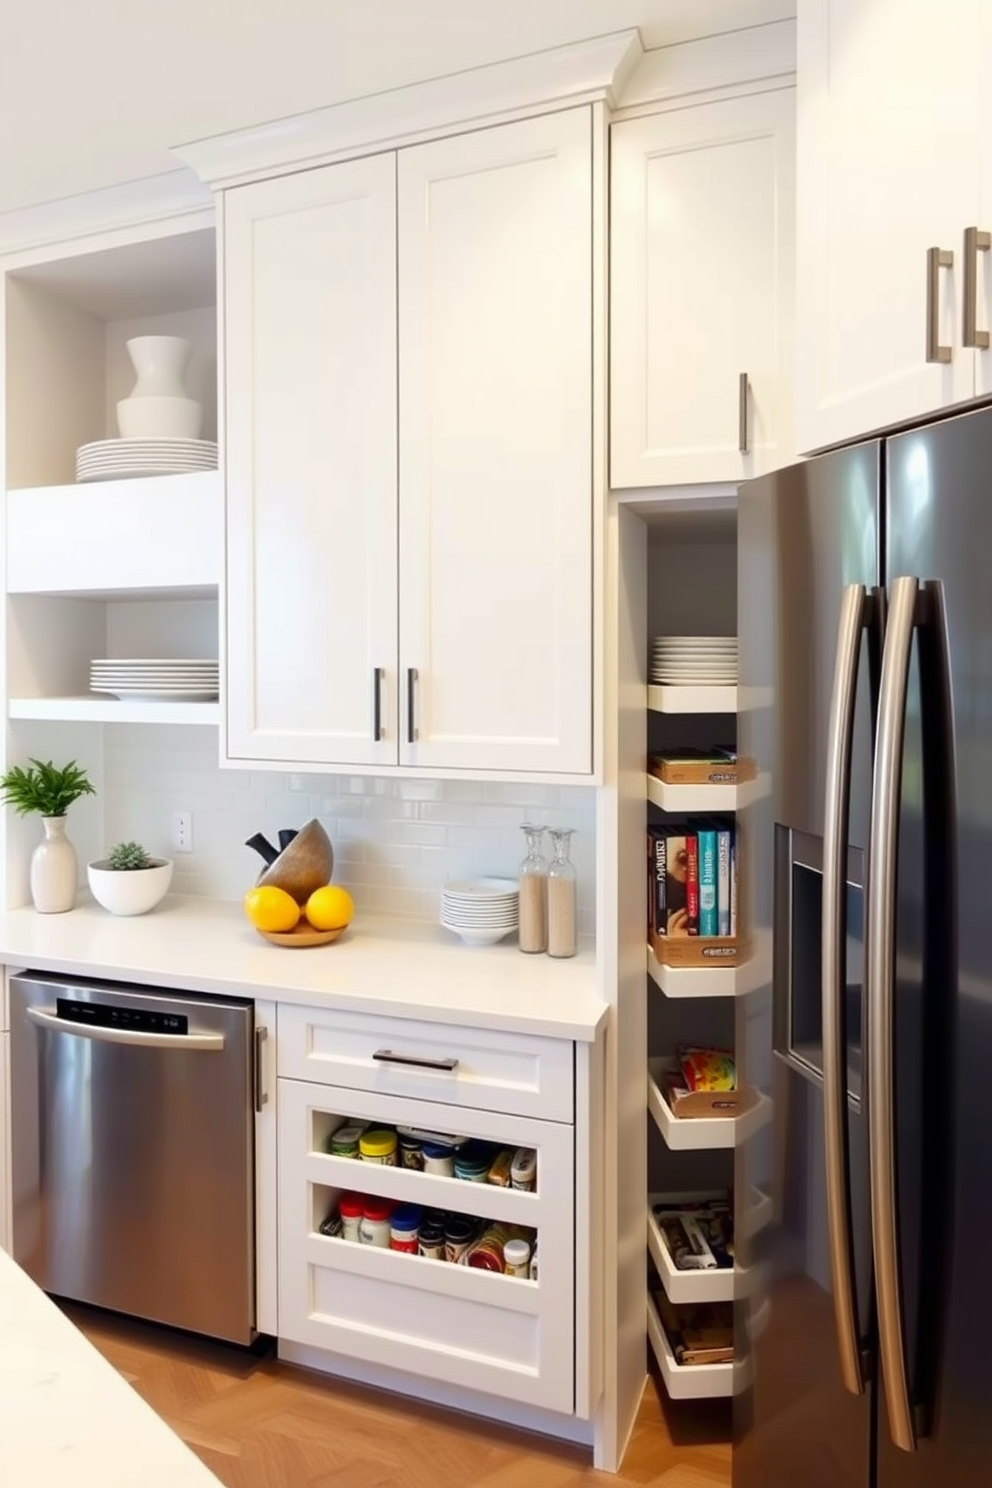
(583, 72)
(758, 57)
(154, 201)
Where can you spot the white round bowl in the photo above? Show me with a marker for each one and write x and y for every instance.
(476, 937)
(129, 891)
(159, 418)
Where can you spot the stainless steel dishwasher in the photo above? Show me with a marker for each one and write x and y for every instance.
(132, 1150)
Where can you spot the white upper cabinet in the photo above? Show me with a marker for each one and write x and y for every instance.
(495, 305)
(310, 371)
(890, 129)
(701, 299)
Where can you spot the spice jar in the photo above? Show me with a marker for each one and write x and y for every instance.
(460, 1233)
(378, 1146)
(331, 1226)
(405, 1228)
(344, 1142)
(375, 1228)
(411, 1152)
(351, 1208)
(516, 1258)
(562, 932)
(532, 933)
(439, 1159)
(523, 1174)
(473, 1161)
(501, 1169)
(533, 1264)
(487, 1252)
(431, 1241)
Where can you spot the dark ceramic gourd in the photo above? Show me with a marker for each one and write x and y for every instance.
(305, 862)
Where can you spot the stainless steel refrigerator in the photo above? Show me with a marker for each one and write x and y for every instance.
(864, 1322)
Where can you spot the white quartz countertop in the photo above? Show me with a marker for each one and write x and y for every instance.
(392, 967)
(67, 1418)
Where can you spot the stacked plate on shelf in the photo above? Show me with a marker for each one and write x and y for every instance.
(120, 459)
(161, 680)
(480, 910)
(694, 661)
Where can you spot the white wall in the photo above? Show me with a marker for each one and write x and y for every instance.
(95, 93)
(395, 841)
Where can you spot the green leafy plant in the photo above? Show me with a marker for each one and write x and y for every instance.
(44, 788)
(128, 856)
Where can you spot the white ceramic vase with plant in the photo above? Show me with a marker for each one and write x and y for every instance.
(48, 790)
(128, 881)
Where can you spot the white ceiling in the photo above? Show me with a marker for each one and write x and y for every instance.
(94, 92)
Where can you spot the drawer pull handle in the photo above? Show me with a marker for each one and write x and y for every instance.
(937, 259)
(386, 1056)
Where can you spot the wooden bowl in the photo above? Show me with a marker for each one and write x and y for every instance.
(302, 935)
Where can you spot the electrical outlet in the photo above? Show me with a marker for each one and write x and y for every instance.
(182, 831)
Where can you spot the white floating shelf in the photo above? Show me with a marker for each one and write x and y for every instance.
(701, 1133)
(667, 699)
(686, 1381)
(714, 981)
(706, 797)
(111, 710)
(685, 1286)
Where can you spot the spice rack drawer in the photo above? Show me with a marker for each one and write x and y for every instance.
(465, 1067)
(500, 1335)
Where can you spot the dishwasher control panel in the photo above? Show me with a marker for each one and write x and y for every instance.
(135, 1020)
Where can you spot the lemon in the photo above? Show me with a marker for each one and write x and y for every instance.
(270, 908)
(330, 908)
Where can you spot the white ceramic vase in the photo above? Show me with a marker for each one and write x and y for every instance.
(158, 407)
(53, 869)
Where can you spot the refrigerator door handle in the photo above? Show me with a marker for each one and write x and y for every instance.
(854, 615)
(880, 988)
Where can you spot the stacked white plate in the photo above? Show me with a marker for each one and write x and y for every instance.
(694, 661)
(119, 459)
(163, 679)
(480, 910)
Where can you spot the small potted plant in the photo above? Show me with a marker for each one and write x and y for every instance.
(49, 790)
(128, 881)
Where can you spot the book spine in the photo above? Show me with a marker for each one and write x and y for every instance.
(707, 882)
(660, 876)
(723, 882)
(733, 887)
(692, 883)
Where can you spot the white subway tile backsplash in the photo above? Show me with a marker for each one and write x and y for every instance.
(396, 841)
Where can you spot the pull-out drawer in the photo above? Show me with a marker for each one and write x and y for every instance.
(496, 1334)
(472, 1067)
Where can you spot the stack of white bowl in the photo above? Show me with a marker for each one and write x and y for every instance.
(480, 910)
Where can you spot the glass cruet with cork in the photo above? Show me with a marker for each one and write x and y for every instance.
(533, 889)
(562, 936)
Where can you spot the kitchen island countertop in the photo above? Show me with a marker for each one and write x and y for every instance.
(67, 1418)
(391, 967)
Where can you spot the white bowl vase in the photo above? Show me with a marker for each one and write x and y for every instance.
(161, 408)
(129, 891)
(54, 869)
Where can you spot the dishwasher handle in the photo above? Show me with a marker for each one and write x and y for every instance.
(46, 1018)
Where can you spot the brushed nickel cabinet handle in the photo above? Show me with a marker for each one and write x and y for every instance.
(742, 391)
(261, 1094)
(447, 1065)
(937, 259)
(412, 677)
(975, 242)
(880, 966)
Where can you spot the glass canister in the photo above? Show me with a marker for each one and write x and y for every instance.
(562, 929)
(533, 885)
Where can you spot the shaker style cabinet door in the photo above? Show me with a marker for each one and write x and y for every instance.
(702, 219)
(888, 142)
(495, 296)
(310, 374)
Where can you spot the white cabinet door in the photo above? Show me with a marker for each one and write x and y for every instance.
(887, 169)
(702, 227)
(495, 293)
(310, 373)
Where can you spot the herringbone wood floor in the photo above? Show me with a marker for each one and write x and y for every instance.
(261, 1424)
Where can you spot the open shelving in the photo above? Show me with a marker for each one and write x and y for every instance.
(716, 980)
(705, 798)
(686, 1381)
(111, 710)
(701, 1133)
(669, 699)
(685, 1286)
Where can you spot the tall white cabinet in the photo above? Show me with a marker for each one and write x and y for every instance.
(310, 360)
(408, 363)
(702, 291)
(894, 167)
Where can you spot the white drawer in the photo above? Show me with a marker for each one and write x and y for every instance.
(504, 1337)
(511, 1072)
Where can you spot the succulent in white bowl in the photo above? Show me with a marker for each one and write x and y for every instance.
(128, 881)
